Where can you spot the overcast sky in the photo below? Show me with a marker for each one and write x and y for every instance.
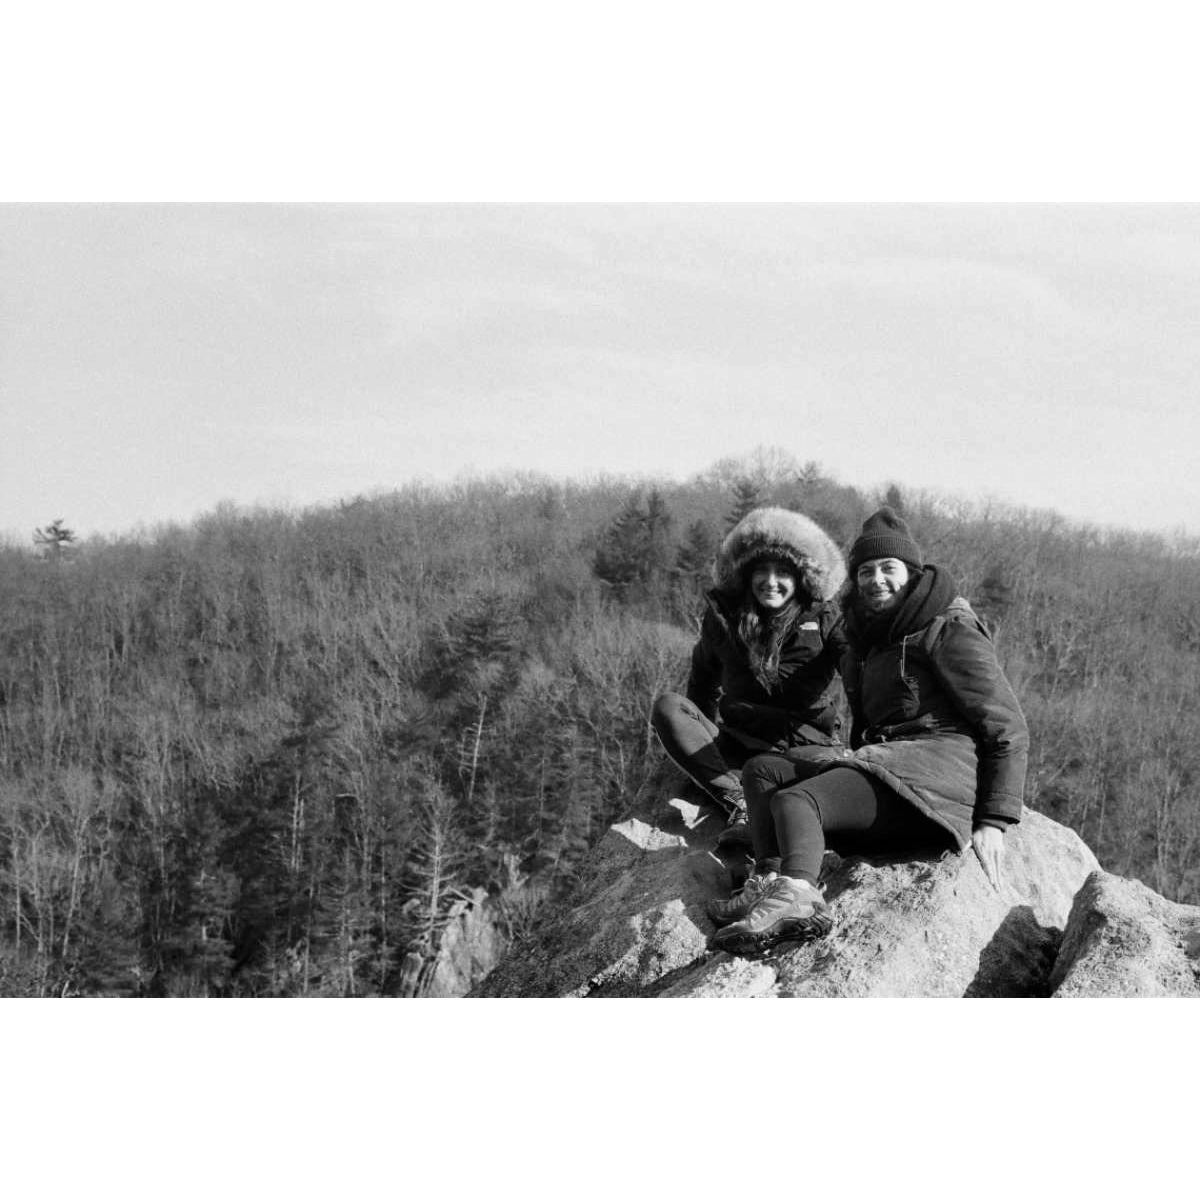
(157, 359)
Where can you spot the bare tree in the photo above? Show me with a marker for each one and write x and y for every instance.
(55, 539)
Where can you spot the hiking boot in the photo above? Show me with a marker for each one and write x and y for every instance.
(788, 910)
(736, 831)
(722, 912)
(737, 825)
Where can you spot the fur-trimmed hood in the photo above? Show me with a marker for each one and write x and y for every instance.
(789, 537)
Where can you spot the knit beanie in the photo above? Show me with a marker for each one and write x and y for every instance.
(885, 534)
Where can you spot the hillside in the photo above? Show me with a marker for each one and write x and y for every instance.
(276, 753)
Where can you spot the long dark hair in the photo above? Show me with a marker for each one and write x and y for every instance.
(762, 632)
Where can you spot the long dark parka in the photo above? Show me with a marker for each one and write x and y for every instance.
(933, 714)
(774, 690)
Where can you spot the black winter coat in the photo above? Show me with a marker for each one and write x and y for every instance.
(799, 709)
(936, 719)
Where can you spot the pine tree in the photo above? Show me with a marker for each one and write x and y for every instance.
(809, 476)
(694, 558)
(693, 569)
(634, 555)
(436, 860)
(659, 550)
(995, 595)
(894, 499)
(55, 540)
(747, 496)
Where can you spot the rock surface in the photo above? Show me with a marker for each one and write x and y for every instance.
(638, 916)
(916, 927)
(469, 947)
(1122, 939)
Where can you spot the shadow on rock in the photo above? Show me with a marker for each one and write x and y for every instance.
(1019, 958)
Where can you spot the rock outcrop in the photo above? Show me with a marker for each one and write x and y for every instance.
(469, 947)
(1122, 939)
(915, 927)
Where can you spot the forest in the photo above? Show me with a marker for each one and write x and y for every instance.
(264, 753)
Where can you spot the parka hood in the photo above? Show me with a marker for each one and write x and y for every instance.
(788, 536)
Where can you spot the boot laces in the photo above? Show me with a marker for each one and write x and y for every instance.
(757, 886)
(785, 886)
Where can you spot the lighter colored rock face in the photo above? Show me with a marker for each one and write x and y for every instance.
(935, 928)
(470, 947)
(1122, 939)
(931, 927)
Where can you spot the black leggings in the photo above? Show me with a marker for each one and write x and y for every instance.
(791, 816)
(700, 748)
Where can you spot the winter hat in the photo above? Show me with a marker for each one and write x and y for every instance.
(885, 534)
(788, 537)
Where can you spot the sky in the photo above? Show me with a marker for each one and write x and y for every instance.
(158, 359)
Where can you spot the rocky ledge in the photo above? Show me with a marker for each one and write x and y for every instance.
(1058, 925)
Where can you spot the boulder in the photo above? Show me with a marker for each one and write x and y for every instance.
(636, 926)
(469, 946)
(1122, 939)
(636, 916)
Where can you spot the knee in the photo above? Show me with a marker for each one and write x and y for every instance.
(766, 773)
(666, 709)
(796, 800)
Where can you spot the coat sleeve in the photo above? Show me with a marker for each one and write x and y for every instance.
(850, 669)
(704, 679)
(833, 632)
(964, 660)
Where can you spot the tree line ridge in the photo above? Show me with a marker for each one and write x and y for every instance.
(269, 753)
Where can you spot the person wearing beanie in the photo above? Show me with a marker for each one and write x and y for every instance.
(762, 671)
(885, 534)
(938, 748)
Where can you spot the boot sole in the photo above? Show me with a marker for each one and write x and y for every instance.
(791, 929)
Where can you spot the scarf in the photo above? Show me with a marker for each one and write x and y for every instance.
(928, 594)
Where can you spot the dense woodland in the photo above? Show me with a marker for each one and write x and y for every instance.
(263, 754)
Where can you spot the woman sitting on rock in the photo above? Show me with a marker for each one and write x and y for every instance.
(938, 748)
(763, 668)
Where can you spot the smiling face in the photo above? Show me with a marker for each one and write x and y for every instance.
(772, 583)
(881, 583)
